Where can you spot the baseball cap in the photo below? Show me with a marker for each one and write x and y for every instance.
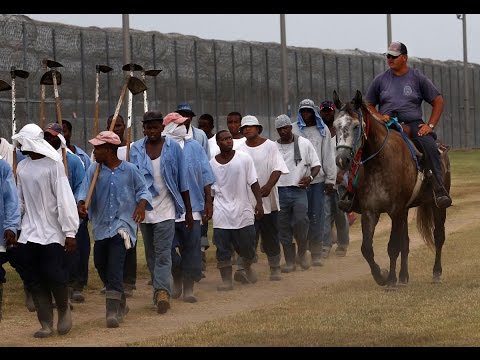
(250, 120)
(175, 118)
(307, 104)
(54, 129)
(152, 115)
(186, 108)
(105, 137)
(327, 105)
(396, 48)
(281, 121)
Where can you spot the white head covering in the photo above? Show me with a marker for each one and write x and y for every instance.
(30, 137)
(177, 132)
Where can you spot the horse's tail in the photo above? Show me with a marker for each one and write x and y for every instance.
(426, 224)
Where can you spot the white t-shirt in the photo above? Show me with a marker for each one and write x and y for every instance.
(267, 159)
(215, 150)
(302, 169)
(47, 205)
(232, 207)
(163, 205)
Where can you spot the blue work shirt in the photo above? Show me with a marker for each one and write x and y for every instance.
(172, 168)
(76, 173)
(83, 156)
(199, 173)
(9, 207)
(115, 197)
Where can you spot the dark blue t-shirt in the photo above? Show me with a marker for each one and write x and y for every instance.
(401, 94)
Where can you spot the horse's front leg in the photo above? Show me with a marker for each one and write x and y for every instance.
(397, 238)
(403, 276)
(439, 216)
(369, 221)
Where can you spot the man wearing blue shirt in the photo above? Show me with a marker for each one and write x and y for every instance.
(117, 205)
(9, 219)
(161, 161)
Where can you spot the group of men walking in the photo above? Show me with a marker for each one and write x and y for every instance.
(255, 190)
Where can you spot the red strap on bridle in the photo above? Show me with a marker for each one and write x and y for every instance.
(358, 155)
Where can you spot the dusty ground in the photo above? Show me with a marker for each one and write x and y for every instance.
(143, 323)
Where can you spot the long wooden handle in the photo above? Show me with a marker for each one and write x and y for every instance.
(42, 99)
(59, 118)
(97, 106)
(112, 126)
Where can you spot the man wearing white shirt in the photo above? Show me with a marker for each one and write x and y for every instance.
(303, 163)
(233, 212)
(269, 165)
(48, 228)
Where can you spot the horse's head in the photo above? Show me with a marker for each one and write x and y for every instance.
(349, 126)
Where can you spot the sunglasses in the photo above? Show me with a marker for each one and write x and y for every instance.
(392, 57)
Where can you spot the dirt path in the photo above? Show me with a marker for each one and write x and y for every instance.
(143, 323)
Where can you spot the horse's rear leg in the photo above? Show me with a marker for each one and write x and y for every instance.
(439, 216)
(403, 276)
(369, 221)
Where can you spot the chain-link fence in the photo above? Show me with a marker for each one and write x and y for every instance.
(215, 77)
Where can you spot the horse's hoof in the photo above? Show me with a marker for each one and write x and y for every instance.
(391, 287)
(437, 279)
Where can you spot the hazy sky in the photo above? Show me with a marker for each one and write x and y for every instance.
(434, 36)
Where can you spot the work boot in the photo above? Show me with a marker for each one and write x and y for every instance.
(188, 291)
(442, 199)
(29, 300)
(304, 261)
(112, 307)
(289, 254)
(122, 309)
(177, 284)
(227, 283)
(128, 290)
(250, 272)
(274, 263)
(77, 296)
(341, 250)
(325, 252)
(42, 299)
(162, 301)
(317, 260)
(64, 323)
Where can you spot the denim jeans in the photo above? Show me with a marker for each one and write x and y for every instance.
(188, 260)
(316, 198)
(293, 217)
(78, 276)
(109, 259)
(240, 240)
(158, 239)
(333, 215)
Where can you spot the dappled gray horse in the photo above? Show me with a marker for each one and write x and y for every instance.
(387, 183)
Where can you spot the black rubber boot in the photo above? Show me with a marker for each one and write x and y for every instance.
(62, 298)
(112, 306)
(227, 283)
(29, 300)
(43, 303)
(442, 198)
(188, 291)
(1, 300)
(177, 285)
(123, 309)
(289, 254)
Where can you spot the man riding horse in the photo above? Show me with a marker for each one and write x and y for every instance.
(400, 91)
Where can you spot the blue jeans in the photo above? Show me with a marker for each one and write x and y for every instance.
(293, 217)
(78, 276)
(158, 239)
(109, 259)
(316, 198)
(240, 240)
(332, 214)
(188, 260)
